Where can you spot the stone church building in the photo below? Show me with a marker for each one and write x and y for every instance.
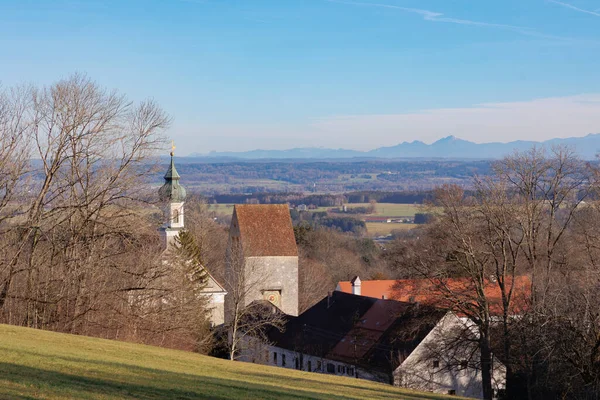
(262, 256)
(262, 252)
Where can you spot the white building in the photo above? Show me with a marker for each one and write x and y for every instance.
(173, 195)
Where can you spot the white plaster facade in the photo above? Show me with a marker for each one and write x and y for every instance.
(436, 365)
(260, 353)
(421, 370)
(173, 194)
(215, 294)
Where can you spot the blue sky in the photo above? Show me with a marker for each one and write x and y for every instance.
(245, 74)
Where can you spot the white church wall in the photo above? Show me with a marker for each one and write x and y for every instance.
(217, 308)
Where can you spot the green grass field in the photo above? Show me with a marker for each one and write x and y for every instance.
(221, 209)
(45, 365)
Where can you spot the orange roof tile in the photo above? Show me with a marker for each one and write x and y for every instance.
(265, 230)
(427, 292)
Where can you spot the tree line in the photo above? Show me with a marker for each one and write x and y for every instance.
(535, 216)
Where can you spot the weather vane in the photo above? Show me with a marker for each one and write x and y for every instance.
(172, 148)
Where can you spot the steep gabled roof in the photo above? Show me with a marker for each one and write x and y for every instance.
(358, 330)
(265, 230)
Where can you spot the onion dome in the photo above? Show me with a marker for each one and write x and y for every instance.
(172, 191)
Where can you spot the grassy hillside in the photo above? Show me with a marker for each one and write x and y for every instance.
(38, 364)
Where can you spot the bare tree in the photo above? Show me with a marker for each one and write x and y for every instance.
(89, 150)
(245, 319)
(516, 222)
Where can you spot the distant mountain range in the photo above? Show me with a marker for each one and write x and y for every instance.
(448, 147)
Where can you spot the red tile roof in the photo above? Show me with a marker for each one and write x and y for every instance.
(435, 293)
(265, 230)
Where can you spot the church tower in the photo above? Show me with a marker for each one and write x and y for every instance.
(262, 258)
(173, 194)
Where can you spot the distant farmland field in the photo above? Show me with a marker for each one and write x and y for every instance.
(382, 229)
(381, 209)
(391, 209)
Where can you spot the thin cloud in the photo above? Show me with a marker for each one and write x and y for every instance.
(595, 13)
(439, 17)
(538, 119)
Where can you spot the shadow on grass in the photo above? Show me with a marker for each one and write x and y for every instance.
(123, 380)
(383, 391)
(29, 382)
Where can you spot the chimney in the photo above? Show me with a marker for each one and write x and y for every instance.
(356, 284)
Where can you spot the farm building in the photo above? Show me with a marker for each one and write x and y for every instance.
(386, 341)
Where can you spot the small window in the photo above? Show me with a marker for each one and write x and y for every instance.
(350, 371)
(176, 216)
(330, 368)
(297, 361)
(309, 366)
(464, 364)
(275, 357)
(339, 367)
(452, 392)
(319, 366)
(283, 360)
(436, 363)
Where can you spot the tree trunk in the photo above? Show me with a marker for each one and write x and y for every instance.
(486, 367)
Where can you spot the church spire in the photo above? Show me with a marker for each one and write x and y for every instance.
(172, 191)
(173, 194)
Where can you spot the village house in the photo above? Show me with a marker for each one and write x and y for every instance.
(386, 341)
(262, 253)
(172, 194)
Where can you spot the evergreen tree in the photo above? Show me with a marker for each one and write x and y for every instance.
(189, 255)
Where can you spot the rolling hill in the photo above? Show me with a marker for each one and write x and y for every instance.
(37, 364)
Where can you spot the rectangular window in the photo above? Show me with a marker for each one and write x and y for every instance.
(283, 360)
(275, 357)
(319, 366)
(464, 364)
(297, 361)
(436, 364)
(330, 368)
(350, 371)
(309, 366)
(452, 391)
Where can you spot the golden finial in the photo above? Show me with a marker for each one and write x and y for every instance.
(172, 148)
